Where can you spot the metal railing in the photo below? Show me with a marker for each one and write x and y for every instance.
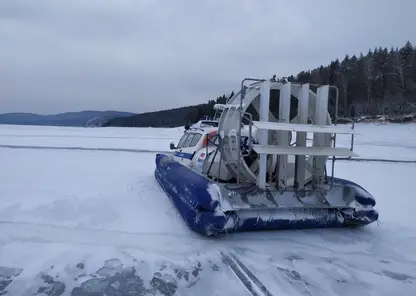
(249, 117)
(242, 95)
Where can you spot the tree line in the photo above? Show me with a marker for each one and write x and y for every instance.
(382, 82)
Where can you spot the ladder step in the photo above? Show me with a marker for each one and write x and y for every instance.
(298, 150)
(297, 127)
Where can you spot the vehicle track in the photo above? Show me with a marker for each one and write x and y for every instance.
(89, 137)
(169, 152)
(253, 285)
(83, 149)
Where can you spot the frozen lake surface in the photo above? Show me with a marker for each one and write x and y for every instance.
(81, 214)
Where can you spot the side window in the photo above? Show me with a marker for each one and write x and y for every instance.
(195, 140)
(182, 140)
(188, 140)
(214, 140)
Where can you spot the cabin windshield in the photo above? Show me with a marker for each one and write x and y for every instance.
(182, 140)
(189, 140)
(209, 123)
(195, 140)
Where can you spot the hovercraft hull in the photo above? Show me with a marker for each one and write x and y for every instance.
(205, 213)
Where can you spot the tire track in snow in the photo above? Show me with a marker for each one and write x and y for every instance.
(90, 137)
(253, 285)
(131, 150)
(240, 275)
(376, 160)
(251, 276)
(83, 149)
(46, 233)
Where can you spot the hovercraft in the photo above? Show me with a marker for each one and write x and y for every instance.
(253, 168)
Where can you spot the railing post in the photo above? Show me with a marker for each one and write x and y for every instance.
(283, 136)
(320, 139)
(300, 160)
(264, 116)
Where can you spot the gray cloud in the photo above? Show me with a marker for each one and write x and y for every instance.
(146, 55)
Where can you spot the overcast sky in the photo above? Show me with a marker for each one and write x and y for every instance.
(145, 55)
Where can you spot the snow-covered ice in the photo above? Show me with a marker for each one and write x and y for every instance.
(76, 220)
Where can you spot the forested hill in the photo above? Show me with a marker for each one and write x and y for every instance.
(169, 118)
(381, 82)
(86, 118)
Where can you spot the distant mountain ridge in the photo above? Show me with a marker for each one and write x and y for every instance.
(86, 118)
